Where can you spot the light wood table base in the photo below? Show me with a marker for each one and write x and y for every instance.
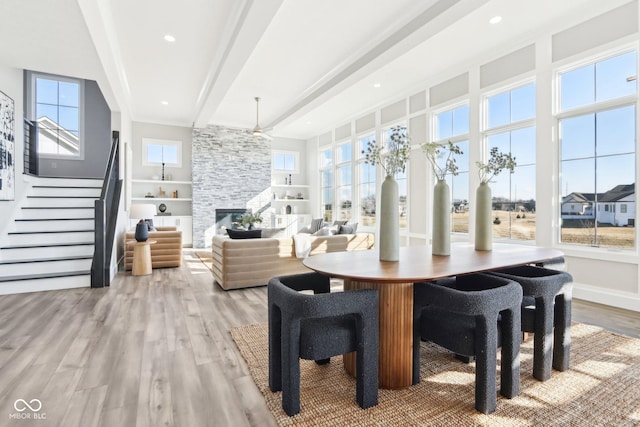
(142, 258)
(395, 364)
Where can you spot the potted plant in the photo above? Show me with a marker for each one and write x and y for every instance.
(250, 219)
(443, 161)
(393, 159)
(498, 161)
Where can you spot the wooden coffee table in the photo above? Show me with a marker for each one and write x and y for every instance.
(394, 282)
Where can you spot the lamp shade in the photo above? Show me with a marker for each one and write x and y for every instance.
(142, 211)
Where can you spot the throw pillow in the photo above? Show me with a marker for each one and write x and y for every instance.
(244, 234)
(348, 229)
(324, 231)
(316, 224)
(150, 224)
(341, 222)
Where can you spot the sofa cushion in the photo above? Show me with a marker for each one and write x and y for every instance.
(348, 228)
(244, 234)
(316, 224)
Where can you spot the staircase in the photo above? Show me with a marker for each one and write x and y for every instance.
(50, 244)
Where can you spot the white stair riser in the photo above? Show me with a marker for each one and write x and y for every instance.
(65, 192)
(22, 286)
(54, 225)
(56, 213)
(65, 202)
(45, 267)
(46, 238)
(50, 252)
(66, 182)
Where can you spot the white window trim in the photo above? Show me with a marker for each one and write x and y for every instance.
(296, 161)
(617, 254)
(33, 118)
(151, 141)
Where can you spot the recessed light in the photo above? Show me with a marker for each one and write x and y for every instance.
(377, 85)
(496, 19)
(164, 102)
(169, 38)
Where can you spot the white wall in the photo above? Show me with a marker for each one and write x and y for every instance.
(11, 85)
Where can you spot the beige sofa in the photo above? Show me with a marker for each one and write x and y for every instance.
(166, 252)
(242, 263)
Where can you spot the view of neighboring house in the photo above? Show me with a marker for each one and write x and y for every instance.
(615, 207)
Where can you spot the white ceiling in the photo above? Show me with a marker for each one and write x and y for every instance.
(312, 62)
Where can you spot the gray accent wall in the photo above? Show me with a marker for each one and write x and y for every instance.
(231, 168)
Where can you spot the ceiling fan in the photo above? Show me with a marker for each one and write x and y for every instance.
(257, 130)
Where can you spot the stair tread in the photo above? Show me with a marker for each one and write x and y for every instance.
(52, 259)
(54, 219)
(65, 186)
(50, 231)
(58, 207)
(43, 276)
(51, 245)
(62, 197)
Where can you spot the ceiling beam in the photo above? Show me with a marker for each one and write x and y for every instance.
(419, 29)
(246, 28)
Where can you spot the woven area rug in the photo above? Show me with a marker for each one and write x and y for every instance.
(602, 388)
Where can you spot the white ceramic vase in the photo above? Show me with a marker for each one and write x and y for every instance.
(441, 240)
(484, 230)
(389, 220)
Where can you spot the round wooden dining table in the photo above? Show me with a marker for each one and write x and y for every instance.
(394, 282)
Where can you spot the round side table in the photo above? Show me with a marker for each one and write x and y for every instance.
(142, 258)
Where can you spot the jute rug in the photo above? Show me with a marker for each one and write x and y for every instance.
(602, 388)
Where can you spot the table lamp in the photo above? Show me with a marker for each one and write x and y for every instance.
(142, 212)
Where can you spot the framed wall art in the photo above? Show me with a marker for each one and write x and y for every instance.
(7, 148)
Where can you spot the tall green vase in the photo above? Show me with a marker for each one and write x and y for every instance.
(484, 230)
(441, 240)
(389, 220)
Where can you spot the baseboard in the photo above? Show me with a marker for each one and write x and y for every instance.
(624, 300)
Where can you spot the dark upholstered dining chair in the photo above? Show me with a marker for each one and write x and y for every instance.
(546, 311)
(472, 316)
(317, 327)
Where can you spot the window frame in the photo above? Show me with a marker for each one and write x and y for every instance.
(486, 132)
(32, 110)
(296, 161)
(164, 142)
(594, 108)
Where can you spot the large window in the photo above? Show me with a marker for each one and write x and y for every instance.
(366, 185)
(57, 109)
(510, 126)
(597, 134)
(453, 125)
(326, 176)
(344, 169)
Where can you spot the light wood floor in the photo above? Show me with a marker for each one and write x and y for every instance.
(149, 351)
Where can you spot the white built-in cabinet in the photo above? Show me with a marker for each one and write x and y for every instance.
(291, 207)
(175, 195)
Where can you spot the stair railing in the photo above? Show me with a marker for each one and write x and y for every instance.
(106, 217)
(30, 154)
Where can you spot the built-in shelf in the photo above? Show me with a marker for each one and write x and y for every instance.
(159, 181)
(164, 199)
(289, 186)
